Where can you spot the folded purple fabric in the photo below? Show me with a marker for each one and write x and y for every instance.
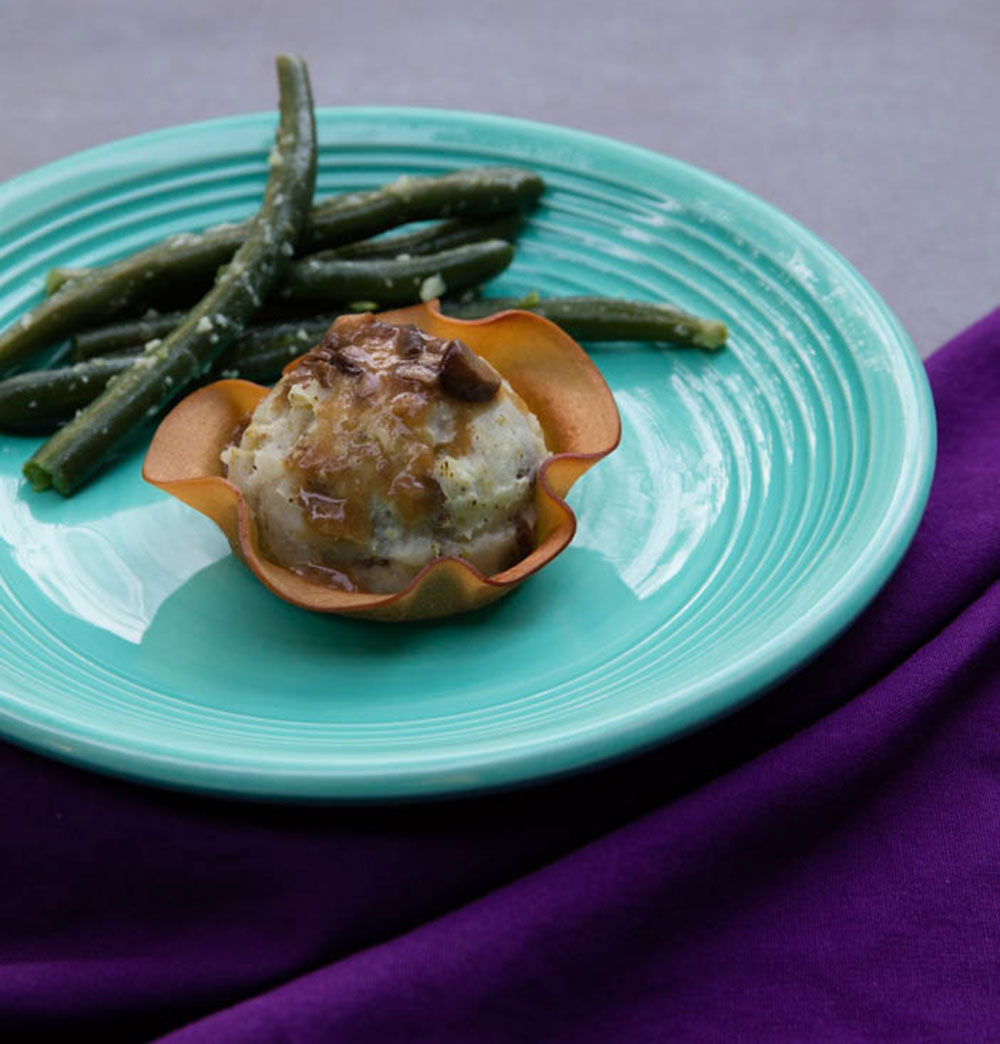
(822, 866)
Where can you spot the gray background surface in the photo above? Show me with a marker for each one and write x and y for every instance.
(874, 123)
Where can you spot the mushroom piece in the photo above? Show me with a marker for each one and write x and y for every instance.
(467, 376)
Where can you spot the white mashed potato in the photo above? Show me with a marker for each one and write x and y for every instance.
(386, 449)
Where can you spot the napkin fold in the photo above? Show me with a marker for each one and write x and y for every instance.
(823, 865)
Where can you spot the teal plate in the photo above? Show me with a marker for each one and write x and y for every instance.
(760, 497)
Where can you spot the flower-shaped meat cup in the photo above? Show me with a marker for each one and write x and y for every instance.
(547, 368)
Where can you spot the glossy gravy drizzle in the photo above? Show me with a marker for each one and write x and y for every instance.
(372, 439)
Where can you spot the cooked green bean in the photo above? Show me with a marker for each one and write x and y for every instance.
(443, 235)
(262, 351)
(40, 400)
(605, 319)
(106, 292)
(389, 283)
(131, 337)
(586, 318)
(163, 369)
(265, 365)
(429, 239)
(193, 259)
(126, 334)
(475, 192)
(57, 278)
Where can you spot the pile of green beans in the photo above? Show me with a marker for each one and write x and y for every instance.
(67, 459)
(244, 300)
(187, 264)
(42, 399)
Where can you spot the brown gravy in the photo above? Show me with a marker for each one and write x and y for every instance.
(372, 439)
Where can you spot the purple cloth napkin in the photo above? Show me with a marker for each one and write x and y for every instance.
(822, 866)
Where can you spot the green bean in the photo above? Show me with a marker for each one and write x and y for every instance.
(389, 283)
(40, 400)
(73, 453)
(475, 192)
(30, 402)
(263, 351)
(265, 366)
(57, 278)
(126, 334)
(102, 293)
(129, 338)
(430, 239)
(605, 319)
(425, 240)
(586, 318)
(187, 259)
(443, 235)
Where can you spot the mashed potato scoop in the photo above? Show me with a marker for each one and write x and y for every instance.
(409, 466)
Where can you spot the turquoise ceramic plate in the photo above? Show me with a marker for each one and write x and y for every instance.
(759, 499)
